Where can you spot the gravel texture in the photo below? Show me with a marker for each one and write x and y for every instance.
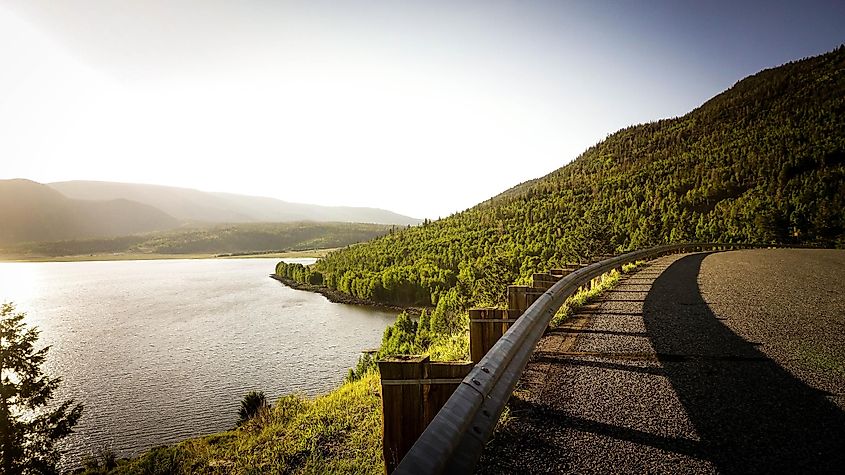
(730, 362)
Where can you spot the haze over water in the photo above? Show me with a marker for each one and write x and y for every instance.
(159, 351)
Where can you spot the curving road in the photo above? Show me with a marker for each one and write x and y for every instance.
(730, 362)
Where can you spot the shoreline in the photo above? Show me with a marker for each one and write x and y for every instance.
(336, 296)
(141, 256)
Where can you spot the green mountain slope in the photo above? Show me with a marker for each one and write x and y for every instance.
(30, 211)
(762, 162)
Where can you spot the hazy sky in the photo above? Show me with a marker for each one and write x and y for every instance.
(424, 108)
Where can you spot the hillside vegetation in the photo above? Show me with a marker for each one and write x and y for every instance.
(240, 238)
(762, 162)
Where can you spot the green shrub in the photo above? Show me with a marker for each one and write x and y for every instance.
(366, 363)
(253, 404)
(399, 338)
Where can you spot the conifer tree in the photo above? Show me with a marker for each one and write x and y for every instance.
(29, 428)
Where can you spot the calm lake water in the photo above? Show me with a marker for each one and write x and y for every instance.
(159, 351)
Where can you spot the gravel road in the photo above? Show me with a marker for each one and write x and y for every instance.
(730, 362)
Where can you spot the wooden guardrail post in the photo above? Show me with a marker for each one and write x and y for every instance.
(486, 326)
(413, 389)
(544, 281)
(520, 297)
(402, 405)
(445, 378)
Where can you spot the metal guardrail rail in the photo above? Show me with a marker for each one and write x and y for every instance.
(453, 441)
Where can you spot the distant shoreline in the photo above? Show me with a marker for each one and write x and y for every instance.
(336, 296)
(140, 256)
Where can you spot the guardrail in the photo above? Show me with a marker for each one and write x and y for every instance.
(453, 441)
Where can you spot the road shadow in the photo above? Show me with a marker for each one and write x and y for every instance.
(751, 415)
(536, 441)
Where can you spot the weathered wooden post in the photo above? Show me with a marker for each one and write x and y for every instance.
(413, 390)
(486, 326)
(445, 378)
(520, 297)
(544, 281)
(402, 405)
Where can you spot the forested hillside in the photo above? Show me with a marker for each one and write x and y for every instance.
(217, 239)
(762, 162)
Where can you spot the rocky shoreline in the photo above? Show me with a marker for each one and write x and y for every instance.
(337, 296)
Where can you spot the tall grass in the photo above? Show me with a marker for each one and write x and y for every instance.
(584, 296)
(453, 347)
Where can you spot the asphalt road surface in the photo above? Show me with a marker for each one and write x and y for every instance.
(728, 362)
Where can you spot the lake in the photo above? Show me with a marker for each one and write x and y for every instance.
(159, 351)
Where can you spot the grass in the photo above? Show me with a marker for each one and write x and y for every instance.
(339, 432)
(583, 297)
(450, 348)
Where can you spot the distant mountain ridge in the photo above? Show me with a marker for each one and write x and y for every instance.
(35, 212)
(199, 206)
(31, 211)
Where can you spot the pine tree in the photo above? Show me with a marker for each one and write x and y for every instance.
(28, 428)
